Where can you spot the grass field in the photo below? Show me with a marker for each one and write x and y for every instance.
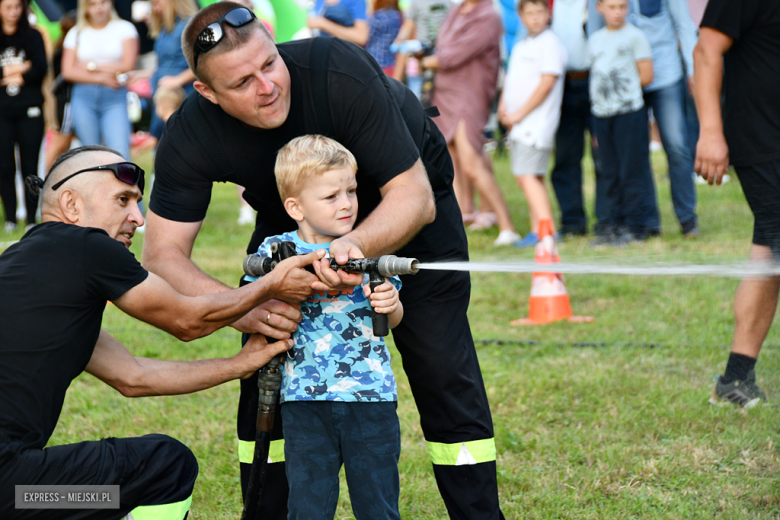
(616, 431)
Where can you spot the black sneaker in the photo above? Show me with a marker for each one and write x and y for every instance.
(690, 229)
(619, 238)
(743, 392)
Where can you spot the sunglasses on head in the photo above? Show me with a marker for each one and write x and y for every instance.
(126, 172)
(213, 33)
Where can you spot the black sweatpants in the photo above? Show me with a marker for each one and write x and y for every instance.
(153, 470)
(22, 126)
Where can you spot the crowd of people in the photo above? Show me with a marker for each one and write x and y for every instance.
(450, 56)
(308, 128)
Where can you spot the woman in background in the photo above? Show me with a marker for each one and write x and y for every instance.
(384, 24)
(96, 56)
(22, 69)
(467, 59)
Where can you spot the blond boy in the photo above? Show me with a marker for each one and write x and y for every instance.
(338, 391)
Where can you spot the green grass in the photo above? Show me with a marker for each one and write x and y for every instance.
(616, 431)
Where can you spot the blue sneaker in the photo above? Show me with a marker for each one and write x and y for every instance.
(528, 240)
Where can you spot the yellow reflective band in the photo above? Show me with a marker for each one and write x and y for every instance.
(462, 453)
(162, 512)
(246, 451)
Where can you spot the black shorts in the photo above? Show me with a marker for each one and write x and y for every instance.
(761, 185)
(150, 470)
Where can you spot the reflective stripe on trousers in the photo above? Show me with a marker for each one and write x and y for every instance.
(246, 451)
(174, 511)
(462, 453)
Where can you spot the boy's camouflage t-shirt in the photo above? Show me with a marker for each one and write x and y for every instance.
(336, 357)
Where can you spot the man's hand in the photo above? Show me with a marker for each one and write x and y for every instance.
(258, 352)
(342, 249)
(712, 157)
(290, 282)
(275, 319)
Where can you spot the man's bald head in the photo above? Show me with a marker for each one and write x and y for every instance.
(93, 198)
(69, 163)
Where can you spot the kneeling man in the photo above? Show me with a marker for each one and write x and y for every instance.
(54, 285)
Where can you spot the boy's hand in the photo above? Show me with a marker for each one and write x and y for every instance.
(384, 299)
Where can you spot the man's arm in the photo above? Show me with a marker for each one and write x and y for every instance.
(407, 205)
(357, 34)
(712, 151)
(167, 251)
(686, 31)
(156, 302)
(136, 377)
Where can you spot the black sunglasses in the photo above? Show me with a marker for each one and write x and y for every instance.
(126, 172)
(213, 33)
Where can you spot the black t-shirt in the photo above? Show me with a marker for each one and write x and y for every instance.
(54, 285)
(751, 117)
(378, 119)
(16, 48)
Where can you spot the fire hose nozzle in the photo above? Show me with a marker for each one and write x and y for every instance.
(391, 265)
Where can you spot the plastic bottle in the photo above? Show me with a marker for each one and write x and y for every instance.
(407, 47)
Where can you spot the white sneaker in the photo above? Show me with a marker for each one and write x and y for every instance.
(507, 238)
(246, 216)
(10, 227)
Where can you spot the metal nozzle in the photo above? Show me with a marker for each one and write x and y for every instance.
(256, 265)
(391, 265)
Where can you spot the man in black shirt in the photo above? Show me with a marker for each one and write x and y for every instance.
(254, 97)
(744, 37)
(54, 285)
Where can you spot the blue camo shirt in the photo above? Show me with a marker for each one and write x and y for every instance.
(336, 357)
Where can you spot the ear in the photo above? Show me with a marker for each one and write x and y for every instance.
(70, 206)
(205, 91)
(293, 209)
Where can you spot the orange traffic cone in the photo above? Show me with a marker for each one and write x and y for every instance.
(549, 300)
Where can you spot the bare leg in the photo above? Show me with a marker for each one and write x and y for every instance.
(538, 199)
(463, 191)
(754, 308)
(57, 145)
(473, 166)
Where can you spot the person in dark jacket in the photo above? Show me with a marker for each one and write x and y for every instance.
(22, 69)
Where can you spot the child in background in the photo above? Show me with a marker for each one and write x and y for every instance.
(621, 64)
(338, 391)
(530, 106)
(166, 101)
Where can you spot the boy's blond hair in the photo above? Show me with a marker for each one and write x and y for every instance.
(306, 156)
(172, 97)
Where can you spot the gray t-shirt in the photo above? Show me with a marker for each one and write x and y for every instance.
(428, 15)
(614, 78)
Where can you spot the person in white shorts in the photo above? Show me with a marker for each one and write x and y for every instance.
(530, 107)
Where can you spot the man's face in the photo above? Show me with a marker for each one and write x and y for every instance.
(111, 205)
(251, 82)
(328, 204)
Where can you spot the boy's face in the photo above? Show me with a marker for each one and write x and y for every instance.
(326, 207)
(535, 17)
(613, 11)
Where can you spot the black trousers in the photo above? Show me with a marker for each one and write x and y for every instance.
(440, 359)
(153, 470)
(17, 127)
